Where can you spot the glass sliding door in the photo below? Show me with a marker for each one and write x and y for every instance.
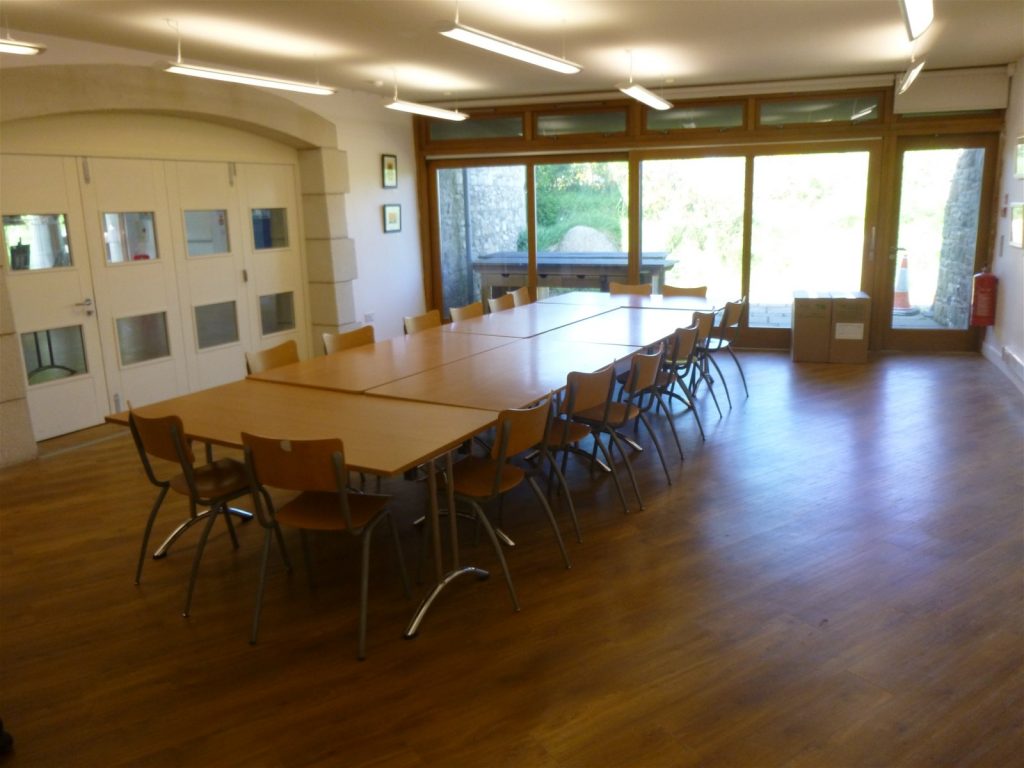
(482, 228)
(582, 214)
(692, 222)
(808, 229)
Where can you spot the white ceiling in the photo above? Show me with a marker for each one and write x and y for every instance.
(369, 44)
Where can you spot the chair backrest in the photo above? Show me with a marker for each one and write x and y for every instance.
(521, 429)
(639, 289)
(506, 301)
(521, 296)
(417, 323)
(476, 309)
(265, 359)
(705, 321)
(681, 345)
(676, 290)
(164, 438)
(298, 465)
(643, 372)
(733, 313)
(588, 390)
(336, 342)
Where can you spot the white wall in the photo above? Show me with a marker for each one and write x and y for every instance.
(390, 281)
(1005, 341)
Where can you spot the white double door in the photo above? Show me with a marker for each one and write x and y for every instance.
(162, 288)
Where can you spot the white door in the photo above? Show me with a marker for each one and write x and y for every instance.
(51, 293)
(207, 231)
(276, 282)
(133, 273)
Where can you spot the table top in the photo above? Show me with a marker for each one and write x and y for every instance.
(656, 301)
(511, 376)
(628, 326)
(527, 320)
(371, 365)
(381, 435)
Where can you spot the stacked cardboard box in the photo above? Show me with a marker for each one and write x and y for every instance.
(830, 327)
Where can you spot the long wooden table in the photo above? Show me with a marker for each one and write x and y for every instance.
(655, 301)
(363, 368)
(527, 320)
(629, 326)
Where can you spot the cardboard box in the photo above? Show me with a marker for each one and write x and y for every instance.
(851, 313)
(812, 326)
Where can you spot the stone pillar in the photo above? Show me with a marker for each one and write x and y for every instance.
(17, 442)
(330, 253)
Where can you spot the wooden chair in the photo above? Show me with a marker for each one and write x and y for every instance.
(265, 359)
(723, 337)
(521, 296)
(677, 369)
(639, 289)
(211, 485)
(478, 480)
(336, 342)
(316, 469)
(503, 302)
(417, 323)
(648, 391)
(701, 372)
(476, 309)
(586, 393)
(700, 291)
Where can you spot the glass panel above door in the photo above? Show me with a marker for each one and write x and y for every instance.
(207, 232)
(37, 241)
(269, 228)
(129, 237)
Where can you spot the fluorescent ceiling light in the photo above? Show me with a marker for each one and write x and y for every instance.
(426, 111)
(918, 15)
(644, 96)
(907, 78)
(500, 45)
(7, 45)
(227, 76)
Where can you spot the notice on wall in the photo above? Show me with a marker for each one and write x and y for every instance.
(850, 331)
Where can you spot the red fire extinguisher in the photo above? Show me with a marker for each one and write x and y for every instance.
(983, 303)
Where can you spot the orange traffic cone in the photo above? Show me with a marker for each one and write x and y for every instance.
(900, 297)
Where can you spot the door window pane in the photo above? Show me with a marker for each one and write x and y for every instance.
(206, 232)
(37, 241)
(692, 224)
(277, 312)
(940, 196)
(216, 324)
(808, 230)
(55, 353)
(142, 338)
(582, 226)
(269, 228)
(482, 218)
(129, 237)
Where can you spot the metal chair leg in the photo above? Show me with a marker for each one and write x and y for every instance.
(211, 518)
(486, 524)
(258, 608)
(149, 529)
(551, 519)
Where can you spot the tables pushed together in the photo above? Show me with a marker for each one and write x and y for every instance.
(627, 326)
(655, 301)
(525, 321)
(362, 368)
(510, 376)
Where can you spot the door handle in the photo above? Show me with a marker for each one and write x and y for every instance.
(85, 303)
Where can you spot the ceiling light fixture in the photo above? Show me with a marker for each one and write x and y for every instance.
(424, 110)
(907, 78)
(918, 16)
(509, 48)
(228, 76)
(640, 93)
(7, 45)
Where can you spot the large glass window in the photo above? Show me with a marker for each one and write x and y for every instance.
(692, 228)
(582, 225)
(37, 241)
(808, 229)
(482, 219)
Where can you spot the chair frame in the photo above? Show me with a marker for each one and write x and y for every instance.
(701, 372)
(678, 366)
(723, 337)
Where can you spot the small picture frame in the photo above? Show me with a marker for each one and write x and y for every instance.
(1017, 224)
(392, 218)
(389, 171)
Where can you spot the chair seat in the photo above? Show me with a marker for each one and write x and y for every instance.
(567, 433)
(221, 478)
(618, 413)
(474, 476)
(318, 510)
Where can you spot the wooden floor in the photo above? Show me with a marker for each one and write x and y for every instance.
(833, 579)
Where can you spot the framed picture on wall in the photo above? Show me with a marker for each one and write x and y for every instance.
(1017, 224)
(392, 218)
(389, 171)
